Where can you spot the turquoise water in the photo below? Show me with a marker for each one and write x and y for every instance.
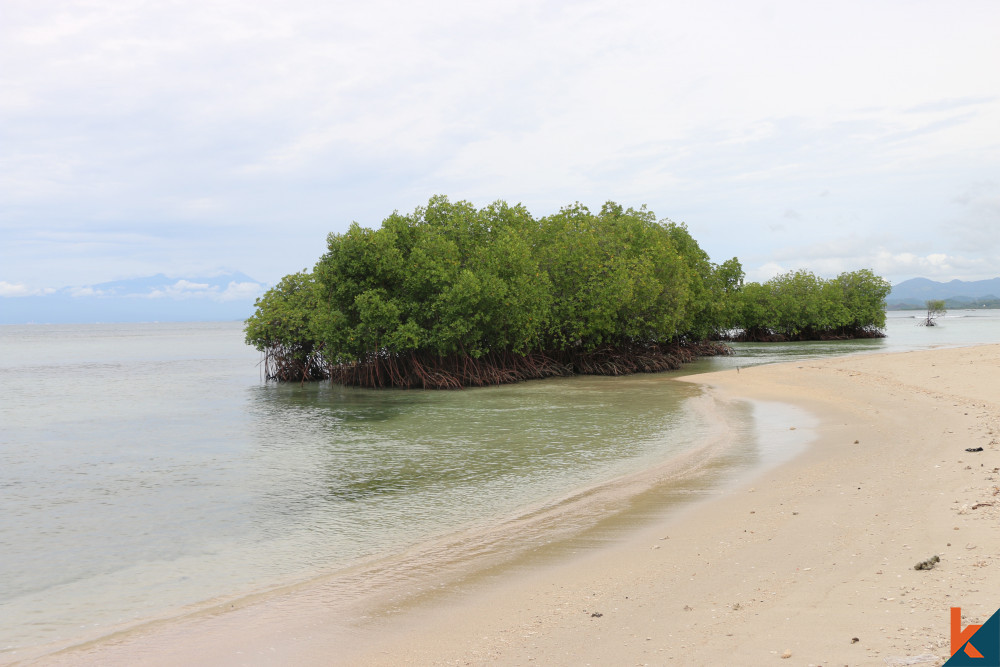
(146, 467)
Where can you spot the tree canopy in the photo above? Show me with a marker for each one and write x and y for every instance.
(799, 305)
(452, 295)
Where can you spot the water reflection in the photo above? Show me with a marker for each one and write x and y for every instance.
(389, 465)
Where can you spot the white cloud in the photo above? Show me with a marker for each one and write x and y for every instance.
(938, 266)
(182, 289)
(764, 272)
(185, 289)
(13, 289)
(894, 266)
(20, 289)
(976, 227)
(261, 126)
(242, 290)
(188, 286)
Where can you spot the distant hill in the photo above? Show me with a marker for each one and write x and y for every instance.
(957, 294)
(224, 296)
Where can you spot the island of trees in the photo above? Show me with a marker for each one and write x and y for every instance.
(453, 296)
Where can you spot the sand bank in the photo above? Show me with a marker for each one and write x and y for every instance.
(814, 557)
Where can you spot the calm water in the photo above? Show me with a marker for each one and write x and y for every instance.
(146, 467)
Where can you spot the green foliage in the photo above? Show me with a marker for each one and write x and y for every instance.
(801, 306)
(447, 279)
(864, 299)
(456, 284)
(283, 326)
(451, 279)
(615, 277)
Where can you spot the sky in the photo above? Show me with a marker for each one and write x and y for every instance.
(195, 138)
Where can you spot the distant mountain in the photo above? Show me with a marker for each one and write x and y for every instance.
(956, 293)
(224, 296)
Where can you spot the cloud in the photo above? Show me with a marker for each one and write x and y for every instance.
(188, 286)
(185, 289)
(976, 227)
(941, 266)
(235, 291)
(894, 266)
(20, 289)
(151, 138)
(222, 286)
(764, 272)
(887, 253)
(854, 245)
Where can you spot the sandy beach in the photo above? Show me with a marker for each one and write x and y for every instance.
(809, 563)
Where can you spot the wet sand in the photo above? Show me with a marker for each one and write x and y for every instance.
(812, 558)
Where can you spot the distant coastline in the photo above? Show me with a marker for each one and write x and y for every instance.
(957, 294)
(950, 304)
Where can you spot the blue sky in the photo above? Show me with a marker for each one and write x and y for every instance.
(186, 138)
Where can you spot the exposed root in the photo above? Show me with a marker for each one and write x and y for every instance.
(290, 364)
(769, 336)
(421, 370)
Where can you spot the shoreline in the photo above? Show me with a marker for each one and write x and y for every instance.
(810, 554)
(546, 531)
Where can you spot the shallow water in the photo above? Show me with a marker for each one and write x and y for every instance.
(145, 467)
(903, 332)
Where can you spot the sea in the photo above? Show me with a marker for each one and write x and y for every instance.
(148, 470)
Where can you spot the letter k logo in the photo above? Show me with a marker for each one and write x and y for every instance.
(977, 645)
(959, 636)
